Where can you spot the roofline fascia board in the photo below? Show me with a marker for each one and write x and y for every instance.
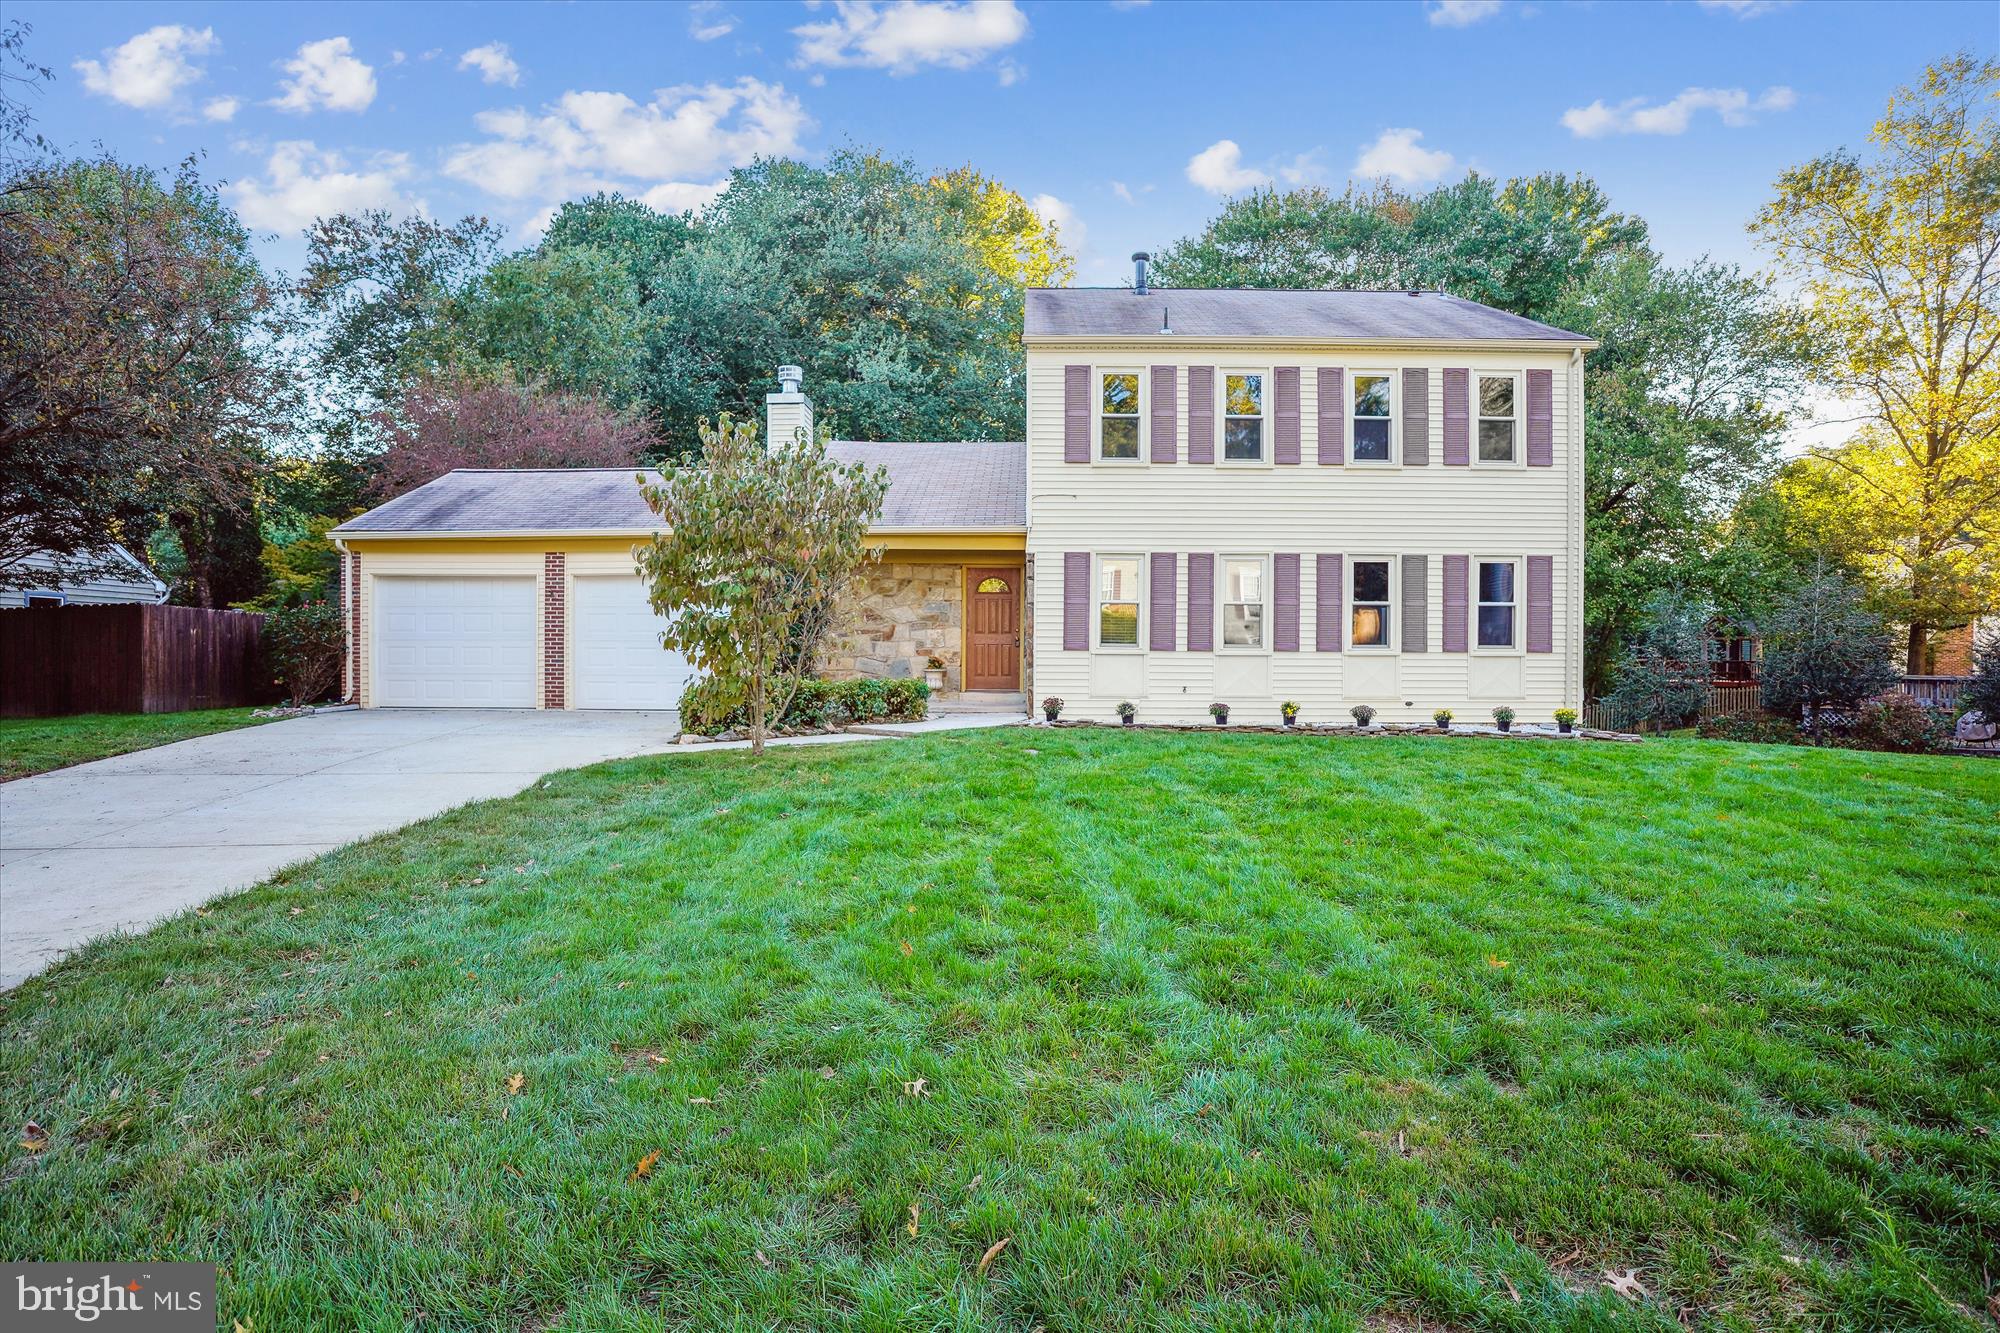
(1130, 340)
(462, 534)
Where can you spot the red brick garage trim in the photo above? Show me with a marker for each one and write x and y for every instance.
(555, 628)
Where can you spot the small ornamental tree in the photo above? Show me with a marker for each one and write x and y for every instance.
(1822, 647)
(303, 644)
(758, 547)
(1665, 671)
(1982, 692)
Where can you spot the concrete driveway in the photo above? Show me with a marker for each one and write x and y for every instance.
(121, 843)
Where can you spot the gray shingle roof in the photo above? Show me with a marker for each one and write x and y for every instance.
(1204, 312)
(931, 487)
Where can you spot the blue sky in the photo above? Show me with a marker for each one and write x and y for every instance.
(1129, 123)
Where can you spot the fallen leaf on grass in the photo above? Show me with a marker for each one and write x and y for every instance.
(700, 1101)
(1495, 960)
(33, 1137)
(516, 1082)
(762, 1260)
(1626, 1284)
(907, 950)
(826, 1071)
(992, 1253)
(1512, 1290)
(298, 911)
(646, 1164)
(912, 1228)
(917, 1087)
(973, 1184)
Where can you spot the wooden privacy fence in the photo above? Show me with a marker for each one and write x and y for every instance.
(129, 659)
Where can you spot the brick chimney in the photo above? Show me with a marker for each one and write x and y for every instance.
(788, 411)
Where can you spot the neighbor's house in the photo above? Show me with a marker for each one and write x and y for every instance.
(111, 576)
(1246, 496)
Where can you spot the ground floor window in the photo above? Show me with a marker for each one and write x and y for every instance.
(1243, 602)
(1496, 604)
(1118, 601)
(1370, 627)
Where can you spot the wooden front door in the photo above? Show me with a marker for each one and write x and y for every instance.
(992, 628)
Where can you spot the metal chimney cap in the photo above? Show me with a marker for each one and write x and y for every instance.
(1139, 255)
(791, 379)
(1139, 262)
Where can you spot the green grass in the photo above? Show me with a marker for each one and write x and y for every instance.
(1245, 1032)
(31, 745)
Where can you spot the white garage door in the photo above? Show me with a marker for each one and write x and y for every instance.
(616, 660)
(455, 643)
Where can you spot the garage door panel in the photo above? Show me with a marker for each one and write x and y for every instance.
(455, 642)
(616, 659)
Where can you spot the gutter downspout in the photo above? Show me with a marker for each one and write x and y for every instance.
(1573, 668)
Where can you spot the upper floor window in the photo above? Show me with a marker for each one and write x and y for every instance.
(1496, 418)
(1371, 418)
(1243, 603)
(1496, 604)
(1118, 601)
(1371, 604)
(1118, 415)
(1242, 417)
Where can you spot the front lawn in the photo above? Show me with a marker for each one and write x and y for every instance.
(1211, 1031)
(37, 744)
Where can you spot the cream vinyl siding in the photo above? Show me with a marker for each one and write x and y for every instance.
(1310, 509)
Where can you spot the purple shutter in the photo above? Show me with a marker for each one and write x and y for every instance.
(1541, 418)
(1076, 601)
(1416, 603)
(1455, 567)
(1166, 415)
(1457, 418)
(1416, 417)
(1332, 417)
(1076, 414)
(1285, 381)
(1201, 603)
(1162, 598)
(1326, 602)
(1201, 415)
(1285, 603)
(1541, 603)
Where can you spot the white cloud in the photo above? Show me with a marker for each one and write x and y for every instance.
(1305, 169)
(902, 36)
(1745, 9)
(303, 182)
(1734, 106)
(1123, 191)
(1397, 155)
(682, 196)
(493, 63)
(594, 140)
(326, 76)
(1062, 216)
(220, 109)
(150, 69)
(1459, 13)
(1219, 169)
(1010, 73)
(707, 21)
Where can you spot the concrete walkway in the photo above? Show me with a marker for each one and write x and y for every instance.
(122, 843)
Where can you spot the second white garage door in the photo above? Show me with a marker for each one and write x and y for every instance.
(616, 660)
(455, 643)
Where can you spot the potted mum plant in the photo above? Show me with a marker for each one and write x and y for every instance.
(1289, 710)
(1363, 715)
(1443, 718)
(1505, 717)
(1220, 712)
(1126, 710)
(1052, 708)
(1565, 720)
(934, 673)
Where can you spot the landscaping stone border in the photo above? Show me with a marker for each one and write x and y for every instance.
(1536, 733)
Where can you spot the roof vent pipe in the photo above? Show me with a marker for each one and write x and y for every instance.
(1139, 262)
(790, 379)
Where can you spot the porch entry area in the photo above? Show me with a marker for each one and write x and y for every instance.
(967, 610)
(993, 628)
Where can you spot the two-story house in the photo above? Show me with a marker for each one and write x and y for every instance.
(1240, 496)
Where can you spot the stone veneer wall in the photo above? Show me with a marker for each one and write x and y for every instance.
(899, 615)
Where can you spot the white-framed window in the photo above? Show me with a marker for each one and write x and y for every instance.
(1371, 586)
(1243, 402)
(1496, 618)
(1118, 420)
(1499, 426)
(1118, 601)
(45, 599)
(1371, 419)
(1244, 591)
